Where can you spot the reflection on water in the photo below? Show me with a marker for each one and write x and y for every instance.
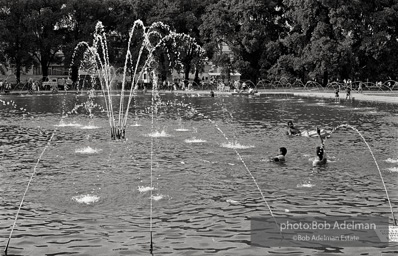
(92, 196)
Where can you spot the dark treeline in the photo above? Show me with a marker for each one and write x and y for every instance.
(319, 40)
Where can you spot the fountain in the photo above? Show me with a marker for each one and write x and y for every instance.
(155, 38)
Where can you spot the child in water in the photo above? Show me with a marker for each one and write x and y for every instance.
(292, 130)
(281, 156)
(321, 158)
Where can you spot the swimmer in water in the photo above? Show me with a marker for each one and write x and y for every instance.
(292, 130)
(321, 158)
(281, 156)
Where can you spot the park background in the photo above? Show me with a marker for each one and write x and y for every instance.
(294, 41)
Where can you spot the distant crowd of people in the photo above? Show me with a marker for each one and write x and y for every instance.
(38, 85)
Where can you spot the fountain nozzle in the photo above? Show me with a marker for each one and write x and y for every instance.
(151, 245)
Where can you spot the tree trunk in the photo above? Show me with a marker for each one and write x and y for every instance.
(187, 69)
(18, 67)
(196, 79)
(325, 78)
(44, 66)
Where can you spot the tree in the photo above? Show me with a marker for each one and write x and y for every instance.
(184, 17)
(46, 21)
(15, 35)
(79, 25)
(247, 27)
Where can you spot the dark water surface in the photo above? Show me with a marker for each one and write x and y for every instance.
(88, 196)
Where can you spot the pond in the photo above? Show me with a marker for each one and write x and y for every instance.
(91, 195)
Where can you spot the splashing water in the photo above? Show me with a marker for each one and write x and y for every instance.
(235, 145)
(157, 134)
(157, 197)
(305, 185)
(89, 127)
(195, 140)
(87, 150)
(393, 169)
(182, 130)
(393, 161)
(143, 189)
(86, 199)
(63, 124)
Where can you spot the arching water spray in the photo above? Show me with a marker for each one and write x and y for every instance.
(26, 190)
(377, 165)
(248, 171)
(157, 37)
(243, 162)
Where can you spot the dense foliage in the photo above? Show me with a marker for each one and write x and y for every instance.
(319, 40)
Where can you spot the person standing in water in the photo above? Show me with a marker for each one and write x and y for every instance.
(320, 158)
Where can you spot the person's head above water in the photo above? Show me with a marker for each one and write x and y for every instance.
(290, 123)
(283, 151)
(319, 152)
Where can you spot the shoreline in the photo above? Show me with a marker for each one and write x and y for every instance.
(372, 96)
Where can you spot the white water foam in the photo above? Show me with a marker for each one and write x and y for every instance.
(393, 161)
(314, 133)
(157, 134)
(89, 127)
(195, 140)
(182, 130)
(143, 189)
(235, 145)
(305, 185)
(87, 150)
(62, 124)
(232, 201)
(86, 199)
(393, 169)
(157, 197)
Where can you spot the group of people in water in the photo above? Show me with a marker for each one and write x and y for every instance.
(320, 158)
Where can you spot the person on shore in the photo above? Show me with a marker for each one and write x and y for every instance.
(211, 93)
(336, 95)
(281, 156)
(320, 158)
(348, 90)
(360, 87)
(291, 129)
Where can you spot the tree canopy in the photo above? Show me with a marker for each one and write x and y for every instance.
(319, 40)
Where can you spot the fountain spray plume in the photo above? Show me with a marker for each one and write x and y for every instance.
(377, 165)
(154, 39)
